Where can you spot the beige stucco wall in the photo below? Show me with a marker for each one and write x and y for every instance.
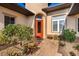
(72, 23)
(19, 18)
(37, 9)
(1, 21)
(49, 20)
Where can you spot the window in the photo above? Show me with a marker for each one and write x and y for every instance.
(61, 25)
(39, 18)
(9, 20)
(58, 23)
(55, 23)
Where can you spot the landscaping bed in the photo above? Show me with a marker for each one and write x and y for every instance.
(68, 43)
(18, 50)
(69, 49)
(17, 40)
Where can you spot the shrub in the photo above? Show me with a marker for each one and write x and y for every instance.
(50, 36)
(62, 43)
(55, 37)
(24, 32)
(69, 35)
(29, 48)
(15, 32)
(14, 52)
(72, 53)
(3, 38)
(61, 37)
(77, 47)
(25, 49)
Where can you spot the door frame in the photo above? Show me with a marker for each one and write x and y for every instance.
(38, 35)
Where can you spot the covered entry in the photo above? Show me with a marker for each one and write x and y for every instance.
(39, 26)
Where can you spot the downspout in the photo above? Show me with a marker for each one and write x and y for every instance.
(68, 14)
(46, 26)
(34, 25)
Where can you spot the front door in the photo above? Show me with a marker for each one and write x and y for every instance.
(39, 27)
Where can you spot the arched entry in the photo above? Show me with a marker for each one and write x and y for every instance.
(39, 26)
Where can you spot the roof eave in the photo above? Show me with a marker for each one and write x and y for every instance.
(19, 9)
(74, 10)
(56, 8)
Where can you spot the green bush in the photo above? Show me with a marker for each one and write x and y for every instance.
(3, 38)
(69, 35)
(24, 32)
(14, 32)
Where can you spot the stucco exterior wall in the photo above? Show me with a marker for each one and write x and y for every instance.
(37, 9)
(72, 23)
(19, 18)
(49, 20)
(1, 21)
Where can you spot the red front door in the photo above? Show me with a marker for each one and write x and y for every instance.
(39, 28)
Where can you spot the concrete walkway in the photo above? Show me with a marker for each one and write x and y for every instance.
(48, 48)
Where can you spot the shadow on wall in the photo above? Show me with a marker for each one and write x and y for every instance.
(30, 21)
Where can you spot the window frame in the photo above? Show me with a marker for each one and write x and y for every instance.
(58, 25)
(10, 20)
(78, 25)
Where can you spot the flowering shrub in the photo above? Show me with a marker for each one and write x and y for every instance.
(69, 35)
(14, 32)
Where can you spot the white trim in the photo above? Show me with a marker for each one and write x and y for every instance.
(52, 26)
(62, 14)
(58, 21)
(58, 25)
